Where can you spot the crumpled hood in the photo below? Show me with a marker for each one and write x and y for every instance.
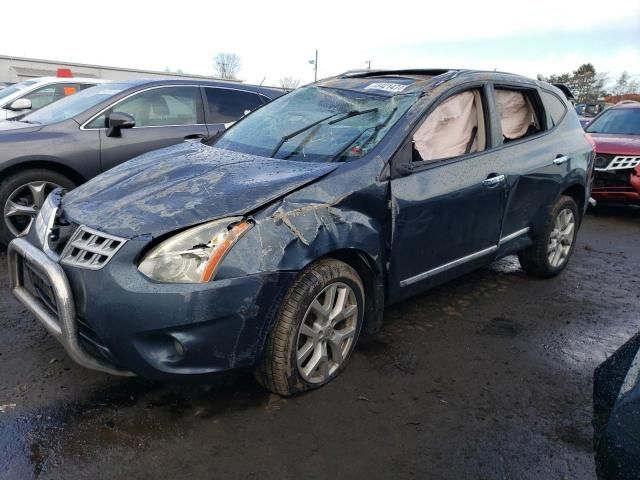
(617, 144)
(183, 185)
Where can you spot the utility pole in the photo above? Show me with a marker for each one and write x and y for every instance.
(368, 62)
(315, 67)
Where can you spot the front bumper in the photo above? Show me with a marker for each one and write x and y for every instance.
(62, 323)
(117, 321)
(618, 187)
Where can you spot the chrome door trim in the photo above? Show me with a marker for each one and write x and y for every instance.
(513, 235)
(83, 126)
(447, 266)
(155, 87)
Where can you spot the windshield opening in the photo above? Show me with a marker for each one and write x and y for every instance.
(317, 124)
(621, 121)
(75, 104)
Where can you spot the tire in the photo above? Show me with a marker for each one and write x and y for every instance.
(28, 188)
(280, 370)
(539, 259)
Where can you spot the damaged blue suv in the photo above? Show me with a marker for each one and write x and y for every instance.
(273, 245)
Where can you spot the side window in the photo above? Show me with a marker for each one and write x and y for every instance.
(158, 107)
(554, 106)
(519, 115)
(43, 96)
(226, 105)
(455, 127)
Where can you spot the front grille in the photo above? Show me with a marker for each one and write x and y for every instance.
(90, 249)
(608, 162)
(39, 286)
(604, 179)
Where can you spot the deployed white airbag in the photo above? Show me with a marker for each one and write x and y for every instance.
(449, 128)
(515, 113)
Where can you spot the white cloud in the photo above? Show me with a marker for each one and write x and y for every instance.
(278, 38)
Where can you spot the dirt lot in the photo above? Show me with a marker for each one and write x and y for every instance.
(488, 377)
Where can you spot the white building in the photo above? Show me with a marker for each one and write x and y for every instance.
(16, 69)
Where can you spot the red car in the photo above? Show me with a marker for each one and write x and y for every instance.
(616, 133)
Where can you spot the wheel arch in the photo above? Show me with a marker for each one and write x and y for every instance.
(372, 280)
(52, 165)
(578, 192)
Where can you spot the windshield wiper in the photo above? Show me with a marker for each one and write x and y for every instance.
(375, 129)
(286, 138)
(379, 127)
(352, 113)
(289, 136)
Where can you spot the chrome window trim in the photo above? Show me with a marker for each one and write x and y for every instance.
(84, 127)
(155, 87)
(447, 266)
(513, 235)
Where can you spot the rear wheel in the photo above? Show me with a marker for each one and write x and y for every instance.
(549, 255)
(21, 197)
(316, 329)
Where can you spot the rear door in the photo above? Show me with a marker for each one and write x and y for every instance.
(164, 116)
(447, 210)
(534, 158)
(224, 106)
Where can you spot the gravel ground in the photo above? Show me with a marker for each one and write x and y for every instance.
(487, 377)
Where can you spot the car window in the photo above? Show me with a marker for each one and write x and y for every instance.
(318, 124)
(621, 121)
(73, 105)
(12, 89)
(159, 107)
(519, 114)
(454, 128)
(227, 105)
(43, 96)
(554, 106)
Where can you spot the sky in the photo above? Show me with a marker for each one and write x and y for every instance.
(277, 38)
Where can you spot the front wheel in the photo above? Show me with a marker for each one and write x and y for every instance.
(316, 329)
(550, 253)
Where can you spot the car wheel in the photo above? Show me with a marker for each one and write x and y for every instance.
(316, 329)
(21, 197)
(550, 253)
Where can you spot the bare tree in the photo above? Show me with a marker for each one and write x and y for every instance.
(625, 85)
(226, 65)
(289, 83)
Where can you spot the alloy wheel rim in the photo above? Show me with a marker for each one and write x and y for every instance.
(561, 238)
(327, 333)
(23, 205)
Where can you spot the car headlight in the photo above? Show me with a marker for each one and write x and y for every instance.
(193, 256)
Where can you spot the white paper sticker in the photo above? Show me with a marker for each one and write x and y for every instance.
(387, 87)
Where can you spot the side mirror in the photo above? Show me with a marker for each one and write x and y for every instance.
(20, 104)
(117, 121)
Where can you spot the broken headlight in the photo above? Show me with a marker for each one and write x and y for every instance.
(193, 256)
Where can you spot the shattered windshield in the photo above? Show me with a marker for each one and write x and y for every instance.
(318, 124)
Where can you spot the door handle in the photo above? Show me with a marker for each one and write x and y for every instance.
(493, 181)
(559, 160)
(195, 136)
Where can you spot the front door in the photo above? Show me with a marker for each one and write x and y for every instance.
(447, 212)
(164, 116)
